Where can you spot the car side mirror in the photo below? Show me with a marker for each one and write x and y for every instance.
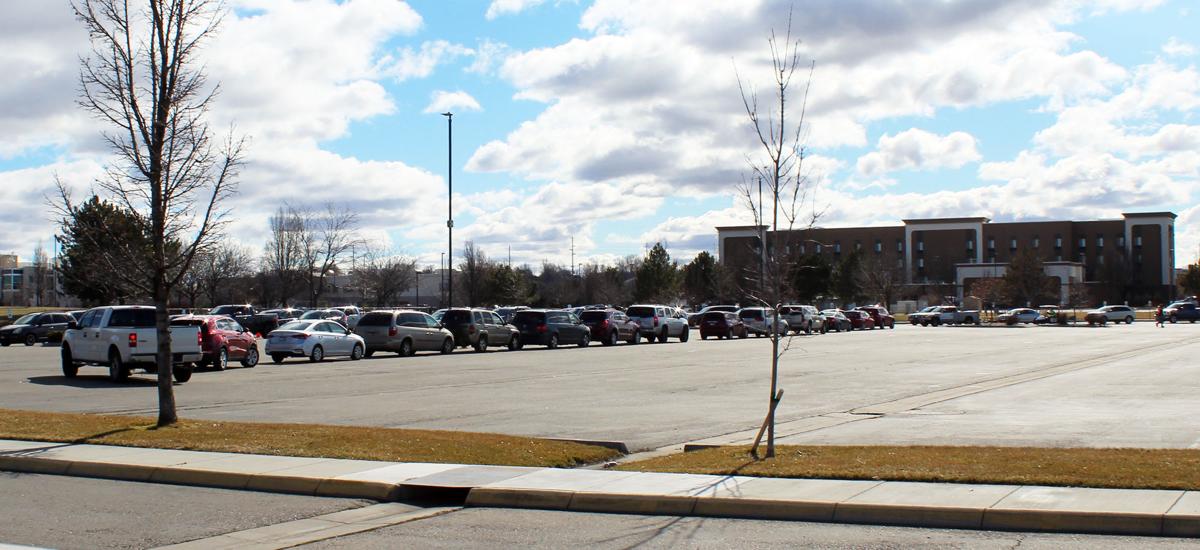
(73, 325)
(347, 331)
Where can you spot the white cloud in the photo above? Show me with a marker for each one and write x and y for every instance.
(488, 55)
(442, 101)
(509, 7)
(916, 149)
(409, 63)
(1178, 48)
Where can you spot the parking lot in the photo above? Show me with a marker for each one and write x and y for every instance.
(1123, 386)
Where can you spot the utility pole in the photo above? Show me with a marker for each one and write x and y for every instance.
(572, 255)
(449, 208)
(510, 256)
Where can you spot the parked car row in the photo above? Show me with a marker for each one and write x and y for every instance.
(731, 321)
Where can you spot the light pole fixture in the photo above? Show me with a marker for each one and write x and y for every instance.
(449, 208)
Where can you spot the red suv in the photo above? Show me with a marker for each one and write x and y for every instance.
(722, 324)
(222, 339)
(880, 315)
(610, 326)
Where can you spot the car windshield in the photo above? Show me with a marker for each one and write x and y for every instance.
(593, 316)
(25, 320)
(314, 314)
(296, 325)
(714, 316)
(456, 316)
(224, 310)
(376, 319)
(529, 317)
(640, 312)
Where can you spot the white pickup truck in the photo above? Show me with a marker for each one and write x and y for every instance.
(123, 338)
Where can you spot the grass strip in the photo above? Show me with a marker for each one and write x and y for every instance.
(1074, 467)
(306, 440)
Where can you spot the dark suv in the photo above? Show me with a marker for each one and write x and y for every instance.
(480, 328)
(34, 328)
(550, 328)
(609, 325)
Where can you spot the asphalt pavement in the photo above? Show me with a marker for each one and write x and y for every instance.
(75, 512)
(1123, 385)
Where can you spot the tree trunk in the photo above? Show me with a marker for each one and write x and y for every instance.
(166, 392)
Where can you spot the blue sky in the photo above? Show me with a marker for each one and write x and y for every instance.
(617, 121)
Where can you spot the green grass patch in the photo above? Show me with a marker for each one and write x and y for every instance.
(307, 440)
(1074, 467)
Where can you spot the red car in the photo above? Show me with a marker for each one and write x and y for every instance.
(722, 324)
(880, 315)
(221, 340)
(610, 326)
(859, 320)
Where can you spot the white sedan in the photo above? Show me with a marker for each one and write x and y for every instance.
(315, 339)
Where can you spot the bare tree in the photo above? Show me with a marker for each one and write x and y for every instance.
(879, 281)
(328, 237)
(475, 268)
(218, 268)
(41, 275)
(284, 254)
(781, 170)
(383, 275)
(144, 78)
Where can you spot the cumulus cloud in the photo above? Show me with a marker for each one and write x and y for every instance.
(916, 149)
(509, 7)
(1178, 48)
(420, 63)
(442, 101)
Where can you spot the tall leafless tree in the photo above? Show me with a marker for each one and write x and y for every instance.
(383, 275)
(329, 237)
(781, 171)
(144, 78)
(284, 254)
(41, 283)
(220, 267)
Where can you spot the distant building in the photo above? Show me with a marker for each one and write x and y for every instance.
(25, 284)
(957, 251)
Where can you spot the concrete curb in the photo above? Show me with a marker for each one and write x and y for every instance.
(989, 507)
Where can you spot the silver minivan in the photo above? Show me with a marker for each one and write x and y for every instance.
(403, 332)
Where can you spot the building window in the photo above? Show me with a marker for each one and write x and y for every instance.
(1099, 241)
(1036, 242)
(920, 263)
(1121, 241)
(899, 262)
(878, 246)
(1057, 241)
(991, 243)
(899, 245)
(818, 248)
(970, 244)
(803, 248)
(837, 247)
(920, 246)
(1082, 242)
(1058, 258)
(1137, 241)
(1100, 259)
(857, 245)
(1012, 244)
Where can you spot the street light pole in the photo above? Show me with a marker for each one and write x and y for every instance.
(449, 208)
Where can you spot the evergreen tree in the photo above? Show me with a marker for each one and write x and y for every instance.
(87, 273)
(810, 277)
(846, 278)
(702, 279)
(1189, 281)
(657, 277)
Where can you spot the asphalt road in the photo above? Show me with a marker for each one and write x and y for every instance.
(75, 512)
(1127, 385)
(497, 528)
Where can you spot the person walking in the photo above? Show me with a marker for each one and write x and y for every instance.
(1158, 317)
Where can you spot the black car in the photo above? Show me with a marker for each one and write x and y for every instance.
(609, 326)
(34, 328)
(550, 328)
(480, 328)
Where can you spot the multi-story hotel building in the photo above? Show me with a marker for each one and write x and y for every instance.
(956, 251)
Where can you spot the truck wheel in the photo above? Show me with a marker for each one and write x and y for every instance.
(683, 336)
(69, 368)
(251, 358)
(117, 371)
(318, 354)
(968, 321)
(662, 338)
(1173, 319)
(182, 373)
(31, 340)
(277, 358)
(222, 360)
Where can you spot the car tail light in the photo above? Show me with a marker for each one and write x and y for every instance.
(470, 329)
(133, 339)
(300, 336)
(656, 320)
(541, 327)
(392, 331)
(199, 339)
(604, 323)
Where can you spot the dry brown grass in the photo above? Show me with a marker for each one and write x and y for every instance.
(308, 440)
(1112, 468)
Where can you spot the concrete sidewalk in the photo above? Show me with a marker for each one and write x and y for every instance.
(993, 507)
